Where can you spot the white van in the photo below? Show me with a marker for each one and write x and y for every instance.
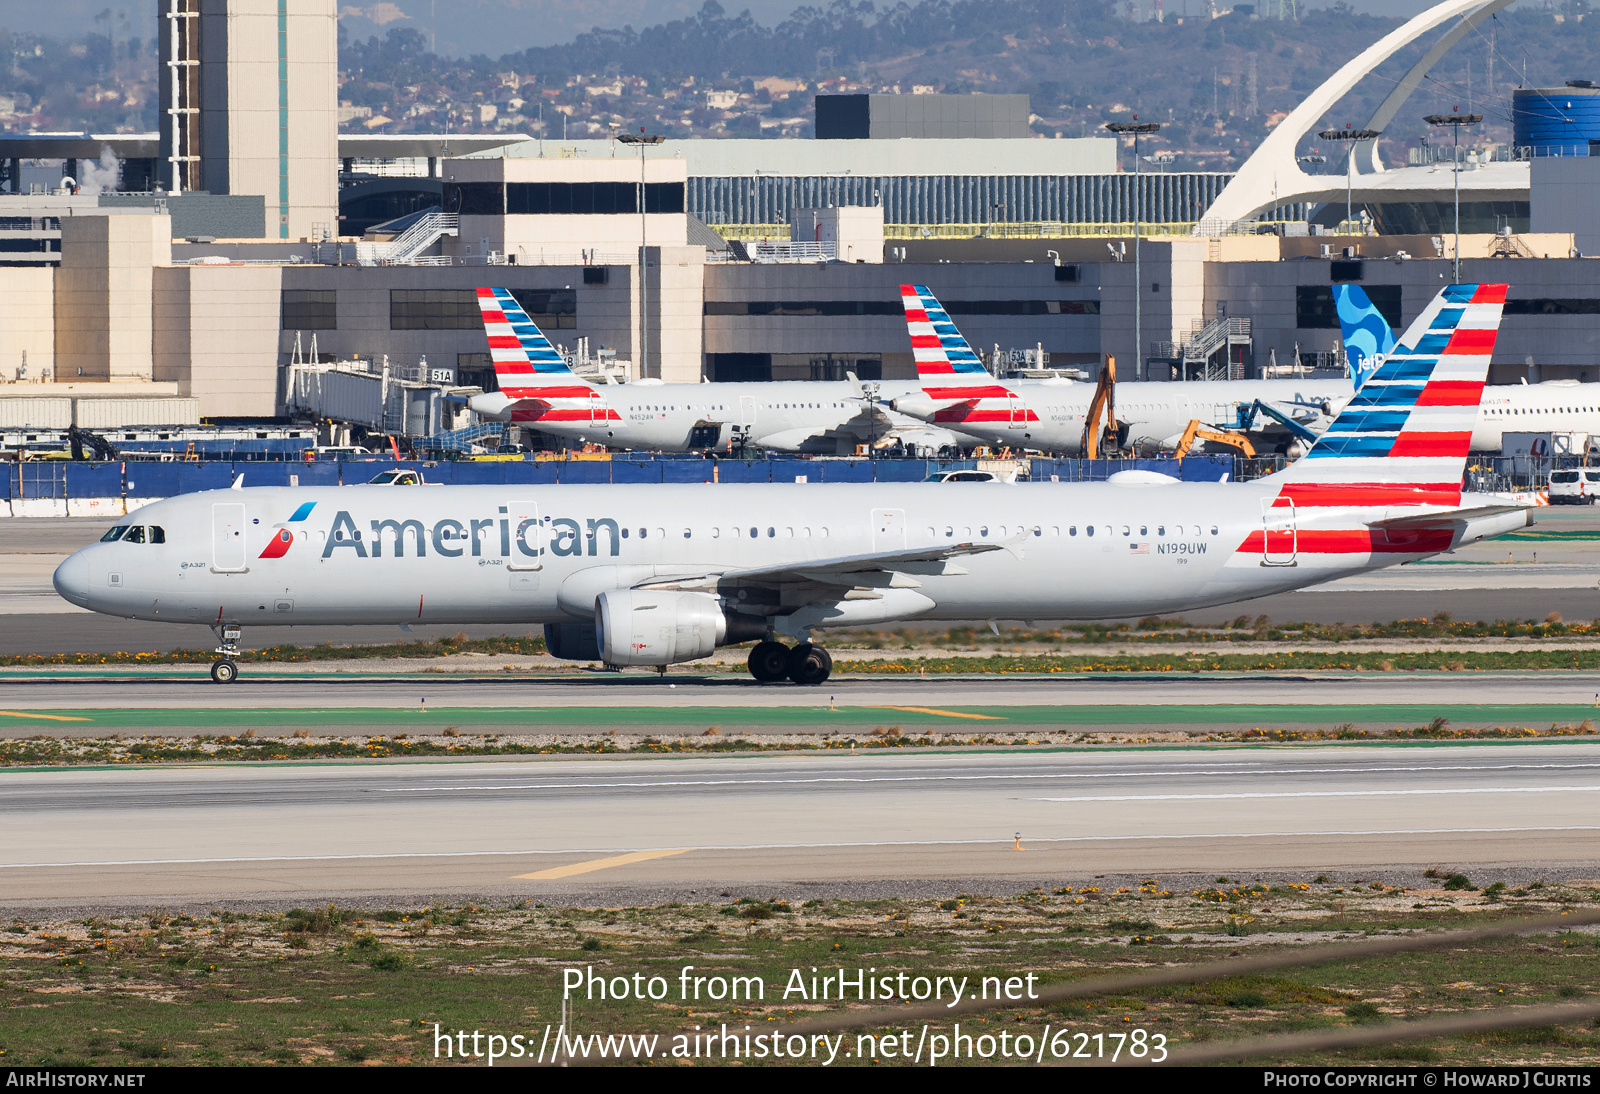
(1576, 486)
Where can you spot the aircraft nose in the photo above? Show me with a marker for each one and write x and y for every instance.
(71, 580)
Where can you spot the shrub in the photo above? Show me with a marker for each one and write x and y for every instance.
(388, 961)
(1363, 1012)
(1456, 882)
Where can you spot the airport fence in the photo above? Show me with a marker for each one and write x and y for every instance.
(55, 489)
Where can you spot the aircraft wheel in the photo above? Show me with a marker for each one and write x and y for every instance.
(809, 665)
(224, 672)
(769, 662)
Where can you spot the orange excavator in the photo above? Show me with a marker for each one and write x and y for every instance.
(1197, 432)
(1104, 404)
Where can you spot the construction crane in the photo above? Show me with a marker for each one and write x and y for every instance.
(1198, 432)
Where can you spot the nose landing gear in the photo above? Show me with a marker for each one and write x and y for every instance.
(805, 664)
(225, 670)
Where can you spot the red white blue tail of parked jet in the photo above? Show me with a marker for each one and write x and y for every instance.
(964, 392)
(535, 383)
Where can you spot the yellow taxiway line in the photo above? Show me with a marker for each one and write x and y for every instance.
(946, 713)
(44, 717)
(597, 864)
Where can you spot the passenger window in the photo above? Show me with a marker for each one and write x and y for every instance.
(1161, 529)
(687, 533)
(115, 533)
(1143, 531)
(158, 534)
(753, 533)
(1126, 530)
(1072, 530)
(772, 533)
(1213, 529)
(644, 533)
(661, 533)
(1038, 531)
(984, 531)
(788, 533)
(135, 534)
(1088, 529)
(948, 532)
(716, 533)
(823, 532)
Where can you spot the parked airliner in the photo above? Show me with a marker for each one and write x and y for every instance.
(660, 574)
(539, 390)
(1049, 415)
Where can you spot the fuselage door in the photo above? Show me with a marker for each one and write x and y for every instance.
(888, 530)
(747, 410)
(227, 537)
(1018, 412)
(527, 536)
(1281, 538)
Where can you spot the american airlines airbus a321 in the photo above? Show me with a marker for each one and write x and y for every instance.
(660, 574)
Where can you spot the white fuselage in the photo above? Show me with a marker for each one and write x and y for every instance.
(784, 416)
(1157, 413)
(543, 554)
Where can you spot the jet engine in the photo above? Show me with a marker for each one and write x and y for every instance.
(639, 627)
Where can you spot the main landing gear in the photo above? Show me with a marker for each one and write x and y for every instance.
(225, 669)
(805, 664)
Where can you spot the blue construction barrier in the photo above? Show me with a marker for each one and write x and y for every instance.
(137, 479)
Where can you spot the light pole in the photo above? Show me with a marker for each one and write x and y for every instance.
(1455, 122)
(1137, 129)
(1351, 137)
(641, 139)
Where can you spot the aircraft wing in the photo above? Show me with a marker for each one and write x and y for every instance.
(880, 570)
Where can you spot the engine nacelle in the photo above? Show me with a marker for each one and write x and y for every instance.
(639, 627)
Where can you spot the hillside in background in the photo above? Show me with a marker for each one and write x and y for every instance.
(1218, 85)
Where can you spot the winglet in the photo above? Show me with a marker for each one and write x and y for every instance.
(238, 482)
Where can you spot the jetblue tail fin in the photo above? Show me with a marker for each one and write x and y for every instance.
(526, 365)
(1406, 432)
(1367, 337)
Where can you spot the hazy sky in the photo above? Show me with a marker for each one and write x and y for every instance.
(492, 26)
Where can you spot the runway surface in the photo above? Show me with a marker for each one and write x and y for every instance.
(98, 702)
(777, 823)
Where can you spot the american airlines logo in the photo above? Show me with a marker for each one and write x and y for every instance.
(283, 538)
(489, 538)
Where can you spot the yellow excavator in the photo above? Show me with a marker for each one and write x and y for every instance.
(1197, 432)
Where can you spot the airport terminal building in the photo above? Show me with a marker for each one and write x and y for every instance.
(720, 260)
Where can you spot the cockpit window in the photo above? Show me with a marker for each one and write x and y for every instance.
(158, 534)
(113, 534)
(135, 534)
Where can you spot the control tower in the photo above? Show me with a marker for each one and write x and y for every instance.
(249, 105)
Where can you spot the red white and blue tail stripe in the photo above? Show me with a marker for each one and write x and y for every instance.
(528, 367)
(1403, 438)
(950, 371)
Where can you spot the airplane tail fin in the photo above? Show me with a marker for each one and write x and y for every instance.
(526, 365)
(1367, 337)
(946, 365)
(1403, 438)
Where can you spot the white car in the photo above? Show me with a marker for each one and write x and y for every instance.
(1577, 486)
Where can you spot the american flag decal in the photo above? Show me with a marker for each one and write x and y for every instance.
(1138, 548)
